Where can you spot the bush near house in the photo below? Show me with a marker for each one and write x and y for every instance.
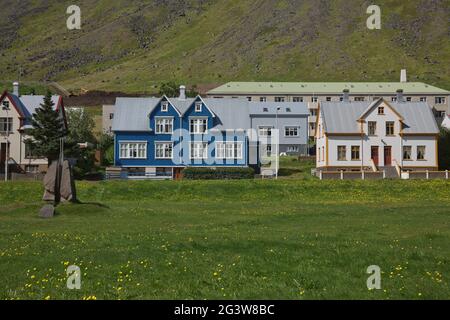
(218, 173)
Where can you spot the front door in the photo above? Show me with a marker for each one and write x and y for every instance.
(2, 156)
(177, 175)
(388, 156)
(374, 155)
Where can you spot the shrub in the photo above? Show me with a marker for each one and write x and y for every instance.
(193, 173)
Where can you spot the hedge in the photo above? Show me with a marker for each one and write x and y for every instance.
(193, 173)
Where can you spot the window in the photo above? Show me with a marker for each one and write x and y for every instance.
(164, 106)
(279, 99)
(31, 168)
(341, 99)
(163, 150)
(133, 150)
(229, 150)
(292, 149)
(5, 105)
(408, 99)
(390, 128)
(29, 152)
(265, 109)
(262, 99)
(380, 110)
(359, 99)
(355, 152)
(439, 100)
(198, 106)
(342, 153)
(328, 99)
(313, 112)
(423, 99)
(249, 98)
(312, 126)
(394, 99)
(440, 114)
(164, 125)
(407, 152)
(314, 99)
(6, 125)
(199, 150)
(291, 131)
(199, 125)
(111, 116)
(420, 152)
(265, 131)
(372, 128)
(297, 99)
(288, 110)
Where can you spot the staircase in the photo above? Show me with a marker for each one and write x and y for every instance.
(391, 172)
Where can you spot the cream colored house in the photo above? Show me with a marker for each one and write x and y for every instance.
(15, 116)
(356, 136)
(107, 118)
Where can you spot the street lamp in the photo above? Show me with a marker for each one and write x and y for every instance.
(277, 143)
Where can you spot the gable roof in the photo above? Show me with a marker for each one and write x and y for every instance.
(26, 105)
(342, 117)
(131, 114)
(375, 104)
(326, 88)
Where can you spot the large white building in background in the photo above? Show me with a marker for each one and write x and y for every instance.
(314, 92)
(354, 136)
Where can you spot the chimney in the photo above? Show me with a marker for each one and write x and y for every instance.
(403, 78)
(399, 95)
(346, 95)
(182, 93)
(16, 88)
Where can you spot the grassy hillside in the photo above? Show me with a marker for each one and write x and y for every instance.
(133, 45)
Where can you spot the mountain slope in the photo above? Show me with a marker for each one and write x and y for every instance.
(132, 45)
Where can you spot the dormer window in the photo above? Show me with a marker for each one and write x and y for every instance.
(198, 107)
(5, 105)
(380, 110)
(164, 106)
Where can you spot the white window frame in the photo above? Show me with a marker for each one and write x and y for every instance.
(165, 106)
(424, 153)
(157, 126)
(194, 150)
(126, 146)
(230, 150)
(197, 126)
(164, 144)
(439, 100)
(293, 149)
(296, 128)
(265, 129)
(198, 106)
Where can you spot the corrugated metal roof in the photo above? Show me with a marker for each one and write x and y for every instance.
(131, 114)
(341, 117)
(325, 88)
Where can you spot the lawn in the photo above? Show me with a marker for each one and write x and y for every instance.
(286, 239)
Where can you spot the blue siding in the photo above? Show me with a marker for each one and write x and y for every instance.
(181, 144)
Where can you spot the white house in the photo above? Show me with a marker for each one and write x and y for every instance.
(16, 112)
(354, 136)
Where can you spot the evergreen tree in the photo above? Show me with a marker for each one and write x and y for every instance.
(47, 130)
(444, 149)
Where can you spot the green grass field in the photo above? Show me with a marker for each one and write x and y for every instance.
(286, 239)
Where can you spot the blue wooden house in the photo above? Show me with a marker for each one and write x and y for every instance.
(159, 137)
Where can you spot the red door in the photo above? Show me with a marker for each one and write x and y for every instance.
(387, 156)
(374, 155)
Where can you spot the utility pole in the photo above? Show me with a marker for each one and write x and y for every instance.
(7, 143)
(277, 144)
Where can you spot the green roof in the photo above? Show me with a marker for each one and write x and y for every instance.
(326, 88)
